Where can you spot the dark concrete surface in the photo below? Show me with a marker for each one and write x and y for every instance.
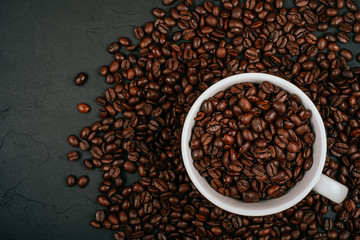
(43, 45)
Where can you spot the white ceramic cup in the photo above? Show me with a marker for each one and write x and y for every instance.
(313, 179)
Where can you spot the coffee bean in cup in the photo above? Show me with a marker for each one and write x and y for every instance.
(253, 141)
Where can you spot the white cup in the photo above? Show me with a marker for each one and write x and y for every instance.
(313, 179)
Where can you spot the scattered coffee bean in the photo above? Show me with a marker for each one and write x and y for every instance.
(71, 180)
(168, 2)
(357, 38)
(114, 47)
(81, 78)
(72, 156)
(83, 108)
(83, 181)
(73, 140)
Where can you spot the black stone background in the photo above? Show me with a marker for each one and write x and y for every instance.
(43, 45)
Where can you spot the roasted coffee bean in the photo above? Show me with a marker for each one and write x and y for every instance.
(80, 79)
(104, 70)
(161, 185)
(245, 105)
(343, 37)
(103, 201)
(301, 3)
(157, 12)
(84, 145)
(168, 2)
(96, 152)
(83, 108)
(124, 41)
(139, 33)
(221, 52)
(72, 156)
(71, 180)
(251, 196)
(113, 47)
(100, 216)
(73, 140)
(129, 166)
(357, 38)
(82, 181)
(322, 43)
(88, 164)
(85, 133)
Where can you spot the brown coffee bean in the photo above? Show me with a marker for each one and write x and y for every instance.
(251, 196)
(71, 180)
(221, 53)
(245, 104)
(357, 38)
(333, 47)
(114, 66)
(85, 132)
(103, 201)
(88, 164)
(100, 216)
(72, 156)
(349, 205)
(129, 166)
(95, 224)
(84, 145)
(83, 181)
(158, 13)
(113, 47)
(293, 147)
(104, 70)
(322, 44)
(80, 79)
(83, 108)
(301, 3)
(271, 169)
(96, 152)
(73, 140)
(168, 2)
(161, 185)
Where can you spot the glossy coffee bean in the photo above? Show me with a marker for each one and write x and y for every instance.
(73, 140)
(80, 79)
(72, 156)
(71, 180)
(83, 108)
(82, 181)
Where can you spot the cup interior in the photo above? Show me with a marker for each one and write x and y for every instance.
(263, 207)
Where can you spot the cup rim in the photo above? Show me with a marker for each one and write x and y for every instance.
(235, 205)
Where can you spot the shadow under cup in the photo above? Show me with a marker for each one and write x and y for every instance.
(263, 207)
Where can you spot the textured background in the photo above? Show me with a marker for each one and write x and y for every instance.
(43, 45)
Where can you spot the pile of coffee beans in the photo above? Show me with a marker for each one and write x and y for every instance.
(155, 79)
(252, 142)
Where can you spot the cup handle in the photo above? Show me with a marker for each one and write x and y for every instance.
(331, 189)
